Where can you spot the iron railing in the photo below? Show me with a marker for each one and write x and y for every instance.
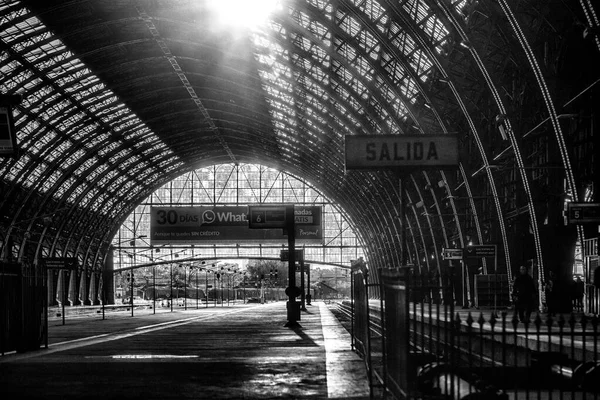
(434, 350)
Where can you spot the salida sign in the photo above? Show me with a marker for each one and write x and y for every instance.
(219, 224)
(379, 151)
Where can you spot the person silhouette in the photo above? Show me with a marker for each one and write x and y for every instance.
(524, 291)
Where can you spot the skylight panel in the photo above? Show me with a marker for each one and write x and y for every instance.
(29, 47)
(128, 120)
(87, 94)
(347, 51)
(278, 124)
(344, 94)
(284, 96)
(400, 39)
(323, 5)
(49, 53)
(67, 124)
(102, 101)
(7, 67)
(31, 84)
(320, 56)
(121, 154)
(368, 43)
(92, 168)
(48, 183)
(73, 158)
(416, 9)
(116, 112)
(33, 137)
(302, 42)
(108, 178)
(313, 26)
(27, 27)
(409, 89)
(355, 84)
(317, 90)
(302, 19)
(348, 24)
(13, 83)
(131, 159)
(34, 102)
(59, 110)
(13, 170)
(314, 114)
(85, 201)
(423, 63)
(58, 151)
(435, 29)
(364, 67)
(64, 187)
(394, 69)
(75, 194)
(373, 10)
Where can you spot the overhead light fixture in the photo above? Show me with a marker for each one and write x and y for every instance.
(501, 126)
(592, 31)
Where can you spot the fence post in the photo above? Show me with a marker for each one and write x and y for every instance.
(395, 284)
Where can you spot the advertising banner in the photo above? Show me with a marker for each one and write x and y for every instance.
(226, 224)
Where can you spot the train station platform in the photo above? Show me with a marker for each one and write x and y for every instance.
(241, 351)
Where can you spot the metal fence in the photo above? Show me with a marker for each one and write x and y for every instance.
(434, 350)
(23, 324)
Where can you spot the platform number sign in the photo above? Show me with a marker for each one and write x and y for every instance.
(583, 213)
(267, 217)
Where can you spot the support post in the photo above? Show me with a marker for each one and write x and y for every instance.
(302, 295)
(403, 255)
(293, 309)
(64, 295)
(131, 287)
(308, 295)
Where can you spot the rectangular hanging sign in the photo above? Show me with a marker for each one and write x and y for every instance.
(583, 213)
(227, 224)
(400, 151)
(8, 141)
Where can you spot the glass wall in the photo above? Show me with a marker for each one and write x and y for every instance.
(231, 185)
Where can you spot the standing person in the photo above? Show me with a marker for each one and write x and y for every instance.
(524, 291)
(579, 290)
(550, 294)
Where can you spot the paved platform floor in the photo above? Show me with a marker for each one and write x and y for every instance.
(238, 352)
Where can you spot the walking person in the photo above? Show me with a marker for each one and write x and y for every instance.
(524, 292)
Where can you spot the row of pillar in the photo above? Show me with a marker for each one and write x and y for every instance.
(74, 287)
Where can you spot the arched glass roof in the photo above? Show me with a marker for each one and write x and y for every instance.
(117, 98)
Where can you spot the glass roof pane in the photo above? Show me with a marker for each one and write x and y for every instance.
(348, 24)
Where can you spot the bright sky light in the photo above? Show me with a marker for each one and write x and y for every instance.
(246, 13)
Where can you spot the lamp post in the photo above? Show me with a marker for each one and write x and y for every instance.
(228, 284)
(244, 286)
(131, 298)
(197, 272)
(214, 286)
(171, 298)
(206, 286)
(185, 275)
